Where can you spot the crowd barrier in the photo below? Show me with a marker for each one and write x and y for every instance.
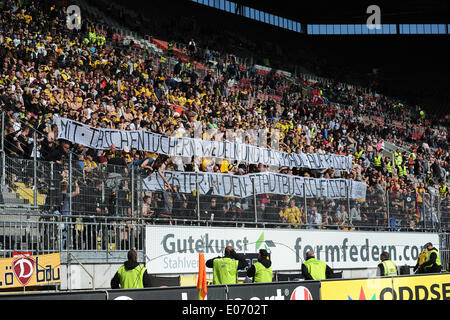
(106, 208)
(109, 191)
(88, 231)
(423, 287)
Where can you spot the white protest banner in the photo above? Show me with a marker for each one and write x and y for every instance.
(102, 139)
(241, 186)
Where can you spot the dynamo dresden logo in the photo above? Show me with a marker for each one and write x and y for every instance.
(23, 268)
(301, 293)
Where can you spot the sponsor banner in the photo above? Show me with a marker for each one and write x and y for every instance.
(427, 287)
(174, 249)
(60, 296)
(304, 290)
(25, 270)
(169, 293)
(228, 185)
(101, 138)
(436, 287)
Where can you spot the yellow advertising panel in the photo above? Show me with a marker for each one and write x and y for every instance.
(364, 289)
(436, 287)
(30, 270)
(421, 288)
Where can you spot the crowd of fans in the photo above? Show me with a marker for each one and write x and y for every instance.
(48, 71)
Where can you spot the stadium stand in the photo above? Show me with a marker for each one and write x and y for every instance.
(110, 76)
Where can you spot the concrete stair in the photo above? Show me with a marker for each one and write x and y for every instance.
(12, 198)
(18, 202)
(20, 194)
(27, 194)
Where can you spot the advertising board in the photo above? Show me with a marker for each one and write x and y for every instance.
(304, 290)
(26, 270)
(174, 249)
(427, 287)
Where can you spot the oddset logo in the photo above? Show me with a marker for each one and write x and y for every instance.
(23, 269)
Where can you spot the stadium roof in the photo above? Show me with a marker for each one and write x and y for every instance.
(415, 11)
(412, 66)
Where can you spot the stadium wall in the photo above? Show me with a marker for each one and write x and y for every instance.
(425, 287)
(173, 251)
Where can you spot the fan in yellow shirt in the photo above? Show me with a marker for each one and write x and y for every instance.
(206, 165)
(225, 166)
(292, 215)
(182, 100)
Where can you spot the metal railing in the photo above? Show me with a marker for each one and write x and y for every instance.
(77, 186)
(116, 191)
(77, 206)
(45, 233)
(105, 208)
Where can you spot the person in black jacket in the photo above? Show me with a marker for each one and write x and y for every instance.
(231, 254)
(383, 266)
(433, 262)
(307, 276)
(263, 258)
(129, 265)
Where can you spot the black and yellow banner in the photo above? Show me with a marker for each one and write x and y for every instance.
(432, 287)
(24, 271)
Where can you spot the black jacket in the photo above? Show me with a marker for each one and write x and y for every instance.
(430, 263)
(381, 267)
(129, 265)
(307, 276)
(265, 262)
(242, 262)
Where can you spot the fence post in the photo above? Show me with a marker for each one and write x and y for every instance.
(423, 211)
(439, 216)
(305, 210)
(140, 232)
(348, 204)
(3, 182)
(67, 224)
(69, 273)
(132, 191)
(34, 169)
(139, 194)
(387, 209)
(431, 211)
(116, 192)
(52, 191)
(70, 182)
(197, 195)
(254, 200)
